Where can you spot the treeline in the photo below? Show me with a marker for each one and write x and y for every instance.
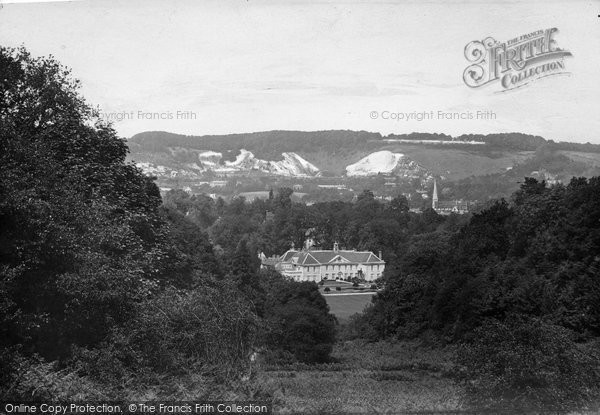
(519, 286)
(273, 225)
(104, 292)
(271, 144)
(516, 285)
(536, 255)
(546, 161)
(268, 145)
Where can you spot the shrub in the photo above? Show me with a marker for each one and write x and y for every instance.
(338, 288)
(359, 326)
(327, 289)
(355, 284)
(305, 331)
(373, 286)
(208, 331)
(526, 363)
(299, 321)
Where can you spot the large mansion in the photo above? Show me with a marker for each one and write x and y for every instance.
(316, 264)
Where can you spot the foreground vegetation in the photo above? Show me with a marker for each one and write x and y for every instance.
(106, 293)
(365, 377)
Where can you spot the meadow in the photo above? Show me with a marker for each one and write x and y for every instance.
(380, 377)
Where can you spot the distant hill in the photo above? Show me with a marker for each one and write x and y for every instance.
(411, 158)
(270, 144)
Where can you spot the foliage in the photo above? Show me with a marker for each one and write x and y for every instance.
(81, 238)
(209, 332)
(101, 289)
(536, 256)
(528, 364)
(298, 319)
(32, 379)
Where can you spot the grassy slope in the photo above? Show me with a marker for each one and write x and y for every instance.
(367, 378)
(454, 163)
(588, 158)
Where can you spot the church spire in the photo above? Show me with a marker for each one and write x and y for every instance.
(434, 197)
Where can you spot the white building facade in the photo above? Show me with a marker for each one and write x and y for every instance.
(317, 265)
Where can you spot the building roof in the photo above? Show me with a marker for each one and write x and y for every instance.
(288, 255)
(322, 257)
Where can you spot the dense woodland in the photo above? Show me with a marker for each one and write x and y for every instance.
(105, 292)
(108, 290)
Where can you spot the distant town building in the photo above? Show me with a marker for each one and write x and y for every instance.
(316, 265)
(447, 207)
(386, 198)
(543, 174)
(218, 183)
(333, 186)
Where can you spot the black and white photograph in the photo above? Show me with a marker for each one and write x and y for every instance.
(299, 207)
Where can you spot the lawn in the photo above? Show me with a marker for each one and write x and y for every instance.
(343, 306)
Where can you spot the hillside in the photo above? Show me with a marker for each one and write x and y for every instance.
(468, 165)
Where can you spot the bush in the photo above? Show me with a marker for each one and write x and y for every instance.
(373, 286)
(327, 289)
(359, 326)
(338, 288)
(305, 331)
(210, 328)
(526, 363)
(207, 332)
(299, 321)
(355, 284)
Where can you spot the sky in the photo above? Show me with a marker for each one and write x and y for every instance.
(219, 67)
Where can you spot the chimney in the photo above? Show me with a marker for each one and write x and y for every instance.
(380, 257)
(335, 247)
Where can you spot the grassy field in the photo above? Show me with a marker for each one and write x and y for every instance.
(592, 159)
(367, 378)
(343, 306)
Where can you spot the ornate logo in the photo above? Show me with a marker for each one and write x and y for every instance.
(514, 63)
